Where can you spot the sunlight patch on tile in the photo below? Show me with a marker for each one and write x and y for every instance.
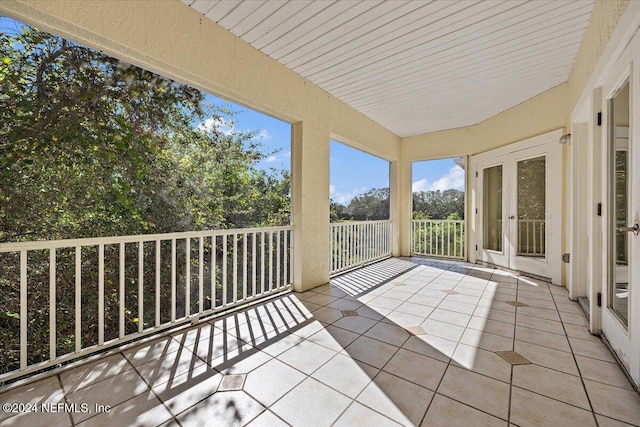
(232, 382)
(513, 357)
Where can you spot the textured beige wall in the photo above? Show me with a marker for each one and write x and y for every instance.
(171, 39)
(604, 19)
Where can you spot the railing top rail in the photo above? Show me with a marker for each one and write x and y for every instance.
(457, 221)
(94, 241)
(375, 221)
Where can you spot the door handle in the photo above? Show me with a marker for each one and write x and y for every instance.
(512, 217)
(635, 229)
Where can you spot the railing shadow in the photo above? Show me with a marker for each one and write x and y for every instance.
(187, 367)
(370, 277)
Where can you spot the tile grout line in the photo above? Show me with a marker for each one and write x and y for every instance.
(174, 417)
(447, 368)
(64, 393)
(513, 348)
(584, 386)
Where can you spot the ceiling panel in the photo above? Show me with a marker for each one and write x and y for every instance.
(415, 66)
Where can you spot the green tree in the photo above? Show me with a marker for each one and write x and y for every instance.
(438, 204)
(91, 146)
(372, 205)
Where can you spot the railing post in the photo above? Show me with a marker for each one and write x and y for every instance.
(23, 310)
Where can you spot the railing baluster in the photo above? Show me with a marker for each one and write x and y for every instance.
(158, 257)
(278, 284)
(270, 261)
(78, 302)
(201, 274)
(244, 266)
(52, 304)
(262, 262)
(224, 270)
(286, 257)
(534, 249)
(140, 286)
(235, 267)
(100, 294)
(23, 310)
(121, 272)
(173, 280)
(187, 278)
(339, 247)
(214, 265)
(253, 263)
(431, 238)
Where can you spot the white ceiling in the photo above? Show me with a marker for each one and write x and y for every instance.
(415, 66)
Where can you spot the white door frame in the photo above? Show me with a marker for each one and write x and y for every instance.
(549, 144)
(625, 341)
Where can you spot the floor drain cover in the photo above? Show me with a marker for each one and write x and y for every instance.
(349, 313)
(513, 357)
(517, 304)
(232, 382)
(416, 330)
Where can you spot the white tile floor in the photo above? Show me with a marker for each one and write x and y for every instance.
(401, 342)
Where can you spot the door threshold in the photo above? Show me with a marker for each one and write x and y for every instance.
(585, 306)
(516, 272)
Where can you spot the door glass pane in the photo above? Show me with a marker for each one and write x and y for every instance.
(492, 208)
(620, 170)
(531, 207)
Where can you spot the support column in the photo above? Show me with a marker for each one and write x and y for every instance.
(310, 206)
(401, 205)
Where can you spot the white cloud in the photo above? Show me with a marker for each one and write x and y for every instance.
(263, 134)
(287, 154)
(270, 159)
(421, 185)
(454, 179)
(219, 123)
(344, 198)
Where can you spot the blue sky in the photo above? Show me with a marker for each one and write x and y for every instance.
(352, 172)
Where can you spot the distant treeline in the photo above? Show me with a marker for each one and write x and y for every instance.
(374, 205)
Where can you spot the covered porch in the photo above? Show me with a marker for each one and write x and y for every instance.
(405, 341)
(316, 323)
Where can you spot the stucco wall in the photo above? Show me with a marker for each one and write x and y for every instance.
(604, 19)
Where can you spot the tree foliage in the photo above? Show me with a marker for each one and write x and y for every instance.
(438, 204)
(374, 205)
(92, 146)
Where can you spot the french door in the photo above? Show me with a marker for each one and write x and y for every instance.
(518, 206)
(621, 296)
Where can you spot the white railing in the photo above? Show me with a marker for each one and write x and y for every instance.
(354, 244)
(531, 237)
(438, 238)
(69, 298)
